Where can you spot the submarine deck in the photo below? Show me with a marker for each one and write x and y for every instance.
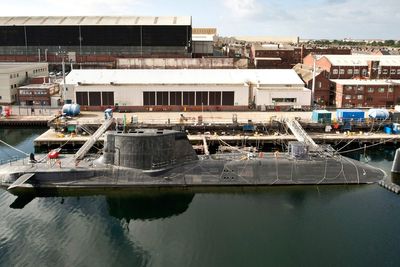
(239, 172)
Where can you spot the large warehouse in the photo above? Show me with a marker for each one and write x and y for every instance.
(87, 39)
(186, 89)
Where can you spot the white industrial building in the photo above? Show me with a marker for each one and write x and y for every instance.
(173, 88)
(12, 75)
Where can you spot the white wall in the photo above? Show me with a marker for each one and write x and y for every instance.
(264, 96)
(18, 77)
(132, 95)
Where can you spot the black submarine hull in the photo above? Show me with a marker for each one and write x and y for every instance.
(203, 173)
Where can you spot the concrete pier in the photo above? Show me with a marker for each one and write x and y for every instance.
(53, 139)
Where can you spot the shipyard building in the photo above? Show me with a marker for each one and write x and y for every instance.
(13, 75)
(187, 89)
(93, 41)
(353, 80)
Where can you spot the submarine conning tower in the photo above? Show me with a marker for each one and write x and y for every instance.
(147, 149)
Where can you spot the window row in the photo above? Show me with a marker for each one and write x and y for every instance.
(95, 98)
(283, 100)
(39, 70)
(30, 92)
(188, 98)
(364, 72)
(370, 89)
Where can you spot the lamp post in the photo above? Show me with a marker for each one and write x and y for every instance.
(313, 83)
(62, 53)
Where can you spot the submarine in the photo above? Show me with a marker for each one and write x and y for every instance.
(153, 158)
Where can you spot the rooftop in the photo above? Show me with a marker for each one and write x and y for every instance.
(8, 67)
(95, 21)
(362, 60)
(185, 76)
(38, 86)
(363, 82)
(306, 72)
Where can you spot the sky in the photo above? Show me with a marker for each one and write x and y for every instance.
(308, 19)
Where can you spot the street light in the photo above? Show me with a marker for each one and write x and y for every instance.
(62, 53)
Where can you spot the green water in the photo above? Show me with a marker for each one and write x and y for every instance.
(280, 226)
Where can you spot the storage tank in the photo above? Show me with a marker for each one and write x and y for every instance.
(71, 109)
(380, 114)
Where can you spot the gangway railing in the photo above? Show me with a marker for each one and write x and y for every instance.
(300, 134)
(93, 139)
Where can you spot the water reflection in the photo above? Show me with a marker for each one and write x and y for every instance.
(127, 205)
(148, 207)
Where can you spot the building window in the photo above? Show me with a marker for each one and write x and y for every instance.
(360, 89)
(349, 88)
(149, 98)
(162, 98)
(393, 71)
(385, 71)
(188, 98)
(369, 99)
(95, 98)
(284, 100)
(356, 71)
(228, 98)
(82, 98)
(107, 98)
(360, 97)
(201, 98)
(341, 71)
(390, 90)
(175, 98)
(398, 71)
(215, 98)
(364, 72)
(319, 84)
(335, 71)
(381, 90)
(347, 97)
(350, 71)
(371, 90)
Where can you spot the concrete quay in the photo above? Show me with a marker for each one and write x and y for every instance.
(53, 139)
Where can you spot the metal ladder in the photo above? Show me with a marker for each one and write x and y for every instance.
(93, 139)
(300, 134)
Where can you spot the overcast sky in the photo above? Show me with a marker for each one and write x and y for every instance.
(358, 19)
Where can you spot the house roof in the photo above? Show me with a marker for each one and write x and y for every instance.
(306, 72)
(362, 60)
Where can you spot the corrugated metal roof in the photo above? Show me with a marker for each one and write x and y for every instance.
(186, 76)
(96, 20)
(362, 60)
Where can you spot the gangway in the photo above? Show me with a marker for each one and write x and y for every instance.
(300, 134)
(93, 139)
